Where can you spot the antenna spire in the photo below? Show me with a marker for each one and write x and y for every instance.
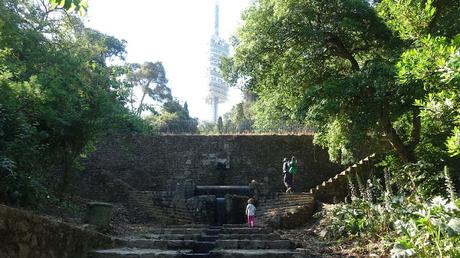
(216, 19)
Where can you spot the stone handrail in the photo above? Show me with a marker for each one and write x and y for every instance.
(335, 189)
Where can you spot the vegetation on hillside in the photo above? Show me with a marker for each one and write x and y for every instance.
(382, 72)
(60, 92)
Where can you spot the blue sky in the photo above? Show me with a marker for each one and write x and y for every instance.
(175, 32)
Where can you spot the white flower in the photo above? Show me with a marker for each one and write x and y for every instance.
(438, 200)
(451, 207)
(434, 221)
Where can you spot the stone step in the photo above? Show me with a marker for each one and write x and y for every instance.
(179, 230)
(161, 206)
(165, 216)
(208, 238)
(255, 253)
(253, 244)
(284, 199)
(165, 211)
(233, 225)
(199, 237)
(170, 236)
(191, 226)
(274, 202)
(160, 244)
(285, 204)
(196, 255)
(159, 209)
(281, 208)
(137, 253)
(213, 231)
(204, 246)
(288, 200)
(290, 195)
(265, 207)
(246, 230)
(268, 236)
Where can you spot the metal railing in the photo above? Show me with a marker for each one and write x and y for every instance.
(243, 128)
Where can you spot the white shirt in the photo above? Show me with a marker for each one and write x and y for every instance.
(250, 210)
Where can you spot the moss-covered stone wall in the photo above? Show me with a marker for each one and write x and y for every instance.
(162, 163)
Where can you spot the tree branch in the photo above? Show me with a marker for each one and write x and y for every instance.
(406, 154)
(335, 44)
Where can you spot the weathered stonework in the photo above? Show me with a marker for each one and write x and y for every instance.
(163, 163)
(234, 207)
(202, 208)
(24, 235)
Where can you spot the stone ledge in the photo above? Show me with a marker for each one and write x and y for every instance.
(25, 235)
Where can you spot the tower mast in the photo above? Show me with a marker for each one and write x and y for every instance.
(217, 87)
(216, 19)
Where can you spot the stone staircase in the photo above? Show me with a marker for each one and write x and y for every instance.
(335, 189)
(286, 210)
(228, 240)
(150, 206)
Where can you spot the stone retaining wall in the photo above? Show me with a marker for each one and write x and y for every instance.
(163, 163)
(24, 235)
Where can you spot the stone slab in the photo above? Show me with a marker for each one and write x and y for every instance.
(246, 230)
(168, 236)
(177, 231)
(160, 244)
(269, 236)
(136, 253)
(253, 244)
(244, 253)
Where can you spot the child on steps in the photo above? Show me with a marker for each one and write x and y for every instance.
(251, 212)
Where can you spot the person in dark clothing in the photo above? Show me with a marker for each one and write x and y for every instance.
(254, 188)
(287, 177)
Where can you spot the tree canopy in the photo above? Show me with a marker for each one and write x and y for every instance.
(59, 94)
(150, 78)
(335, 65)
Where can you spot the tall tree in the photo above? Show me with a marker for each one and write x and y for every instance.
(313, 60)
(80, 6)
(150, 78)
(331, 64)
(56, 81)
(174, 118)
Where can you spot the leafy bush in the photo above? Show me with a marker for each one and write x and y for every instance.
(413, 226)
(433, 230)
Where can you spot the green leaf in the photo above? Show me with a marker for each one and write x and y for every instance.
(454, 226)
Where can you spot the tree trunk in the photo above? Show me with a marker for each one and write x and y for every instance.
(65, 176)
(139, 109)
(68, 159)
(404, 152)
(416, 126)
(145, 90)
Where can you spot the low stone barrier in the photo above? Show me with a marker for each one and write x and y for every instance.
(25, 235)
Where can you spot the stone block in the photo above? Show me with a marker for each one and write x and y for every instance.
(202, 208)
(99, 213)
(279, 244)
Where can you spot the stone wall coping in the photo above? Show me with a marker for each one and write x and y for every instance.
(106, 204)
(19, 214)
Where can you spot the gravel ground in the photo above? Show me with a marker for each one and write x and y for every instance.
(317, 240)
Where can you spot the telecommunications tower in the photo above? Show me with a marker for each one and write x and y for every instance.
(217, 87)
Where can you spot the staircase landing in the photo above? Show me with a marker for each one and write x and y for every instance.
(233, 240)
